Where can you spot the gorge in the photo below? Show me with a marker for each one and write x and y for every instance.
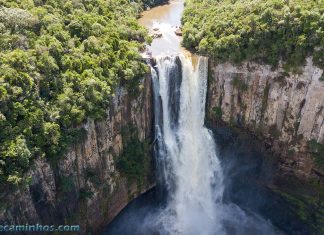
(251, 97)
(188, 168)
(202, 147)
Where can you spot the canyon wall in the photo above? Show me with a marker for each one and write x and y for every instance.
(83, 186)
(286, 112)
(286, 109)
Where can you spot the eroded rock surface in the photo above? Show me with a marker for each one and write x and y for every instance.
(286, 109)
(83, 186)
(286, 112)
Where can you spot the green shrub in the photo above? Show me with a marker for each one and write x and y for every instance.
(239, 83)
(264, 31)
(265, 99)
(134, 161)
(317, 150)
(93, 176)
(218, 112)
(85, 194)
(322, 78)
(66, 184)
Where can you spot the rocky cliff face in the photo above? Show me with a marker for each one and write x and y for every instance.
(285, 109)
(286, 112)
(83, 187)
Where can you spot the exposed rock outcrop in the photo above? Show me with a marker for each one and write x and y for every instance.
(286, 112)
(83, 187)
(286, 109)
(156, 34)
(178, 32)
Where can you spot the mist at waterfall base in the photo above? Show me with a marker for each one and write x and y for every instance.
(194, 186)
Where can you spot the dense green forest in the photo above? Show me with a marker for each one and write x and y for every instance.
(59, 64)
(260, 30)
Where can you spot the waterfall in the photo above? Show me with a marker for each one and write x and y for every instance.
(190, 181)
(188, 167)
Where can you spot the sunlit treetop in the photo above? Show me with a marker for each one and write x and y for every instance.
(60, 62)
(266, 31)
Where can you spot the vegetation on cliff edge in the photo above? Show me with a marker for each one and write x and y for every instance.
(260, 30)
(59, 64)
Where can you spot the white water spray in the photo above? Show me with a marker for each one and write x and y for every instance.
(189, 174)
(191, 169)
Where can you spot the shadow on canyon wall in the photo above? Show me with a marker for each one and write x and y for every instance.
(249, 171)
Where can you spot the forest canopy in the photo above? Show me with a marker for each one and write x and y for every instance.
(60, 61)
(261, 30)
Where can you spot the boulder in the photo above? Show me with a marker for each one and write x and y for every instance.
(156, 34)
(178, 32)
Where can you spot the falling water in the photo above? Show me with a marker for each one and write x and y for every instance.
(187, 160)
(190, 181)
(189, 173)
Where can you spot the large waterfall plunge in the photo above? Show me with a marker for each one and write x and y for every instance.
(190, 181)
(188, 170)
(187, 163)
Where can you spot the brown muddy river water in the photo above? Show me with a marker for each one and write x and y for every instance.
(165, 20)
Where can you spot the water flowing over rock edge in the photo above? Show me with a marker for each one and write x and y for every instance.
(187, 153)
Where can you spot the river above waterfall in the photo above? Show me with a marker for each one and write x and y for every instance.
(163, 21)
